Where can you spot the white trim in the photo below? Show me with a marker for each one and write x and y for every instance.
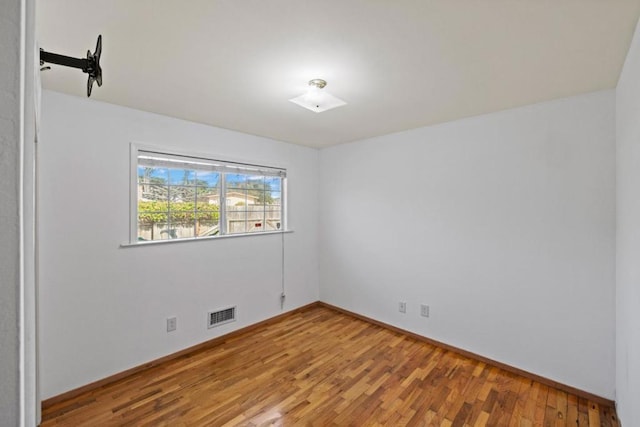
(222, 207)
(198, 239)
(284, 196)
(207, 155)
(24, 385)
(133, 192)
(156, 158)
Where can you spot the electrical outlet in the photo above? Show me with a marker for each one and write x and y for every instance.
(402, 307)
(424, 310)
(172, 324)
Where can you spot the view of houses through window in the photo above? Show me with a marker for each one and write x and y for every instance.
(182, 197)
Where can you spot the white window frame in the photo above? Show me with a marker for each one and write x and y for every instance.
(136, 148)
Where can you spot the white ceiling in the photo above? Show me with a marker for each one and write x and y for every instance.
(399, 64)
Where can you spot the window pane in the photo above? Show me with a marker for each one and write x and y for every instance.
(182, 194)
(150, 225)
(207, 222)
(142, 177)
(206, 227)
(255, 182)
(272, 224)
(255, 213)
(234, 213)
(236, 180)
(182, 225)
(255, 198)
(238, 197)
(182, 216)
(273, 216)
(162, 231)
(255, 219)
(176, 198)
(182, 176)
(207, 216)
(151, 175)
(208, 198)
(206, 208)
(152, 192)
(207, 179)
(236, 220)
(255, 190)
(267, 197)
(145, 232)
(273, 211)
(150, 217)
(236, 226)
(273, 183)
(255, 226)
(274, 199)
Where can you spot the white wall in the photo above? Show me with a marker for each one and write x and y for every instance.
(508, 235)
(628, 239)
(18, 401)
(103, 308)
(504, 224)
(10, 188)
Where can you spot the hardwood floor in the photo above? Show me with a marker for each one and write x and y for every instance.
(321, 367)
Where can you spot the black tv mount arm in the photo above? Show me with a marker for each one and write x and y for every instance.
(90, 65)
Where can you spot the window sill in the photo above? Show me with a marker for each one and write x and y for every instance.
(199, 239)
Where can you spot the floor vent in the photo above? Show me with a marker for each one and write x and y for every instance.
(220, 317)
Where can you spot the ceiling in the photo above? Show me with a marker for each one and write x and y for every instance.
(399, 64)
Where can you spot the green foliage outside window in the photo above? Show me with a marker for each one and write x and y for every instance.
(150, 212)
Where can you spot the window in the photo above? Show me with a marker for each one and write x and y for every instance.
(186, 197)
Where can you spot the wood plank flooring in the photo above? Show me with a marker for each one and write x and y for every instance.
(320, 367)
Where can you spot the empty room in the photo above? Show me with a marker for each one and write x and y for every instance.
(253, 213)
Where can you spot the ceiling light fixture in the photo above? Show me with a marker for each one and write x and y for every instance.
(317, 99)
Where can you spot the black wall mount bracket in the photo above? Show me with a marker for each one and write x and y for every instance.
(89, 65)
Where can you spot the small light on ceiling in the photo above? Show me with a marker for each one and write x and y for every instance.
(317, 99)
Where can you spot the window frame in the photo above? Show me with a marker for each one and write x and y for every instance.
(136, 148)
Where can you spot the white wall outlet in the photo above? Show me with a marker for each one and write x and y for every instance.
(402, 307)
(172, 324)
(424, 310)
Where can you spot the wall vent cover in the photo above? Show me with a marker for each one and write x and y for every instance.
(220, 317)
